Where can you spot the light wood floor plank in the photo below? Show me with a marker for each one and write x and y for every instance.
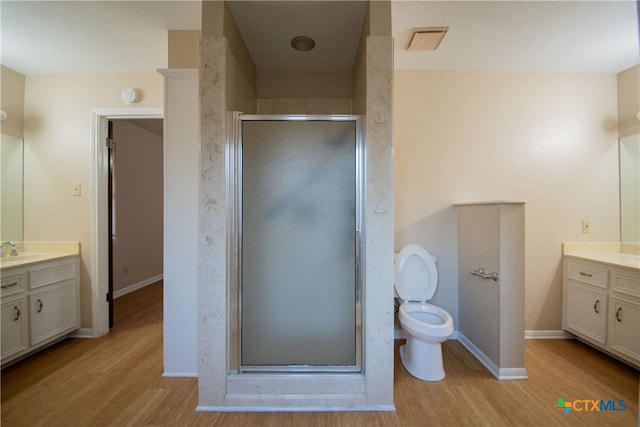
(117, 381)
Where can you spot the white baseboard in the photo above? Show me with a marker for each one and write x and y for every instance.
(136, 286)
(83, 333)
(502, 374)
(180, 375)
(548, 335)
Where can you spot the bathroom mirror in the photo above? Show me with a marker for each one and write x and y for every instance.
(11, 188)
(630, 188)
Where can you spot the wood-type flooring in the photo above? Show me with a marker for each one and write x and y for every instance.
(117, 381)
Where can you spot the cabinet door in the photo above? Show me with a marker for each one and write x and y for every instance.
(624, 333)
(53, 311)
(14, 328)
(587, 312)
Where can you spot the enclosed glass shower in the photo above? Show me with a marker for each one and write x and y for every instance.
(297, 184)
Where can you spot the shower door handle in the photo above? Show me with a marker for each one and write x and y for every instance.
(357, 254)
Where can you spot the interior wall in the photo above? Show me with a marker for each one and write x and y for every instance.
(304, 84)
(137, 252)
(184, 48)
(181, 226)
(241, 74)
(629, 101)
(320, 106)
(12, 101)
(57, 135)
(291, 92)
(491, 321)
(547, 138)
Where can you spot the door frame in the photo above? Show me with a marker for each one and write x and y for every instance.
(100, 239)
(233, 154)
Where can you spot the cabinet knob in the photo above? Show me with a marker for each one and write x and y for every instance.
(619, 314)
(582, 273)
(17, 311)
(40, 305)
(596, 306)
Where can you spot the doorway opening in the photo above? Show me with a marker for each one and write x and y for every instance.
(135, 188)
(101, 296)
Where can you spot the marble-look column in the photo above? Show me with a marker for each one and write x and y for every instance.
(212, 334)
(379, 222)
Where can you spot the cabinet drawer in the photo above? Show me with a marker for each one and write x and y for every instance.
(587, 312)
(626, 282)
(50, 273)
(588, 273)
(14, 282)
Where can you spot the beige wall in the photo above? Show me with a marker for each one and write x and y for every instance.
(184, 48)
(57, 135)
(240, 69)
(11, 101)
(629, 101)
(137, 253)
(304, 84)
(548, 138)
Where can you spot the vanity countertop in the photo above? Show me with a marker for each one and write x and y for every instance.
(34, 252)
(620, 254)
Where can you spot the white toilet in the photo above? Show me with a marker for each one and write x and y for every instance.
(427, 326)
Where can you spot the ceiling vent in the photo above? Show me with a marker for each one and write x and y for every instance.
(426, 38)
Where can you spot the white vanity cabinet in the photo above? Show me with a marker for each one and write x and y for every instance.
(602, 306)
(40, 305)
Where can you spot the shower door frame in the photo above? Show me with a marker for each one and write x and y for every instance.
(233, 176)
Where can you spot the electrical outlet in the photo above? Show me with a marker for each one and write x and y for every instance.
(586, 227)
(77, 189)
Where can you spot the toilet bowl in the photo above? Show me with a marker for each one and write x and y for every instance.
(426, 325)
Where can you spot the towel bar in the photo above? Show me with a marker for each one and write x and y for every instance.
(485, 275)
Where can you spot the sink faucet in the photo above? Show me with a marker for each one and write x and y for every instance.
(14, 252)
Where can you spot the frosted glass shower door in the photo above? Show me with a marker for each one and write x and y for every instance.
(298, 251)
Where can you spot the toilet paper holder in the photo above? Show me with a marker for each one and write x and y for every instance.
(485, 274)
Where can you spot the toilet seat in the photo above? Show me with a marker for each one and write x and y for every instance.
(426, 319)
(415, 274)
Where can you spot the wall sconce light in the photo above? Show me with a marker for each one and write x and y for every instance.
(3, 115)
(130, 96)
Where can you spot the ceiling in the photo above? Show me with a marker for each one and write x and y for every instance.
(53, 37)
(335, 26)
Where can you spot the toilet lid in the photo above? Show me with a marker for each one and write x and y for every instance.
(415, 274)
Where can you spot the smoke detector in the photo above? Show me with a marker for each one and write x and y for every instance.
(426, 38)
